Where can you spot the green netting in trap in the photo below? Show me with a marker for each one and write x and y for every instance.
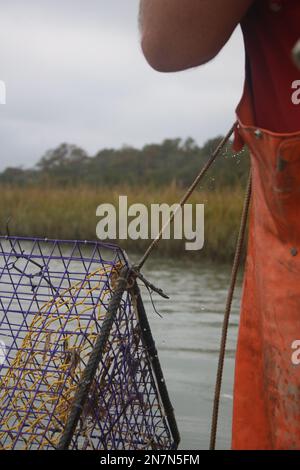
(62, 306)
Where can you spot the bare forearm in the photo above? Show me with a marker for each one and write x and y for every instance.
(179, 34)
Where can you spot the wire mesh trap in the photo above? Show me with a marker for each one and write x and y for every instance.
(59, 301)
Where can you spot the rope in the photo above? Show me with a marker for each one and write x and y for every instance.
(235, 268)
(186, 196)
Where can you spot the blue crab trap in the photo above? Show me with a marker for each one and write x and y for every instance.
(81, 370)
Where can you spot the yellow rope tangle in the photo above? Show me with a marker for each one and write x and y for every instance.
(39, 385)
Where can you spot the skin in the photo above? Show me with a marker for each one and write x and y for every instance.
(180, 34)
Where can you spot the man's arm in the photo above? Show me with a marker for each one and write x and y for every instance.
(179, 34)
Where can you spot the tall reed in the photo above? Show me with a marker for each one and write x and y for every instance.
(71, 214)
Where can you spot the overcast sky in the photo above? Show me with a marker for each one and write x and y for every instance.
(74, 72)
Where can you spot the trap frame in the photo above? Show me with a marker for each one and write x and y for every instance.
(81, 369)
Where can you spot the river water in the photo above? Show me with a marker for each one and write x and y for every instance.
(187, 338)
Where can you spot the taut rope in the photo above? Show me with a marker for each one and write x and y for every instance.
(186, 196)
(235, 268)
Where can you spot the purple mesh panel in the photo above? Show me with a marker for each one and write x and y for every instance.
(53, 299)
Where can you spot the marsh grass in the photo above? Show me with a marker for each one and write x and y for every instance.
(71, 214)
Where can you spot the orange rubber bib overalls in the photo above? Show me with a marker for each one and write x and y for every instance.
(266, 411)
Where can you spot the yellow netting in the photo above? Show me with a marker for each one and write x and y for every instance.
(40, 383)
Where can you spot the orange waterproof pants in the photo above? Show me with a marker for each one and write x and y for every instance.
(267, 381)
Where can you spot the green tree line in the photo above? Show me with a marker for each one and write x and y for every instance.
(157, 165)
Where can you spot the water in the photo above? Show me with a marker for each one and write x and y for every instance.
(188, 338)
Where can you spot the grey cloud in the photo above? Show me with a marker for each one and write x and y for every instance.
(75, 73)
